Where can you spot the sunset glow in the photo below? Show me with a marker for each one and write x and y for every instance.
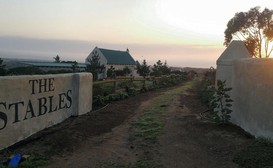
(183, 33)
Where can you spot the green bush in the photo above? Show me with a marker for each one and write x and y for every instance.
(98, 101)
(103, 89)
(125, 83)
(206, 91)
(167, 81)
(130, 91)
(221, 103)
(116, 97)
(105, 92)
(217, 98)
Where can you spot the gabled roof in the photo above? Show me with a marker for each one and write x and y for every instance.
(235, 50)
(117, 57)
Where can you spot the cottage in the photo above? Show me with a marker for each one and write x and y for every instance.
(113, 59)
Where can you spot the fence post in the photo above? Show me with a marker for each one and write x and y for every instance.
(115, 86)
(144, 83)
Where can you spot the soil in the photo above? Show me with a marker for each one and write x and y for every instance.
(101, 138)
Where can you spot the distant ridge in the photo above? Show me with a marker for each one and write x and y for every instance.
(25, 59)
(16, 62)
(187, 69)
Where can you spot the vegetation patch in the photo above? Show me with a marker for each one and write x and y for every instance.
(221, 103)
(146, 130)
(217, 99)
(259, 154)
(105, 92)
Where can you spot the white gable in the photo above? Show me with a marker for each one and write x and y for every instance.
(235, 50)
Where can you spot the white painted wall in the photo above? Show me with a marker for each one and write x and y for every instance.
(253, 95)
(251, 80)
(236, 50)
(103, 61)
(29, 104)
(121, 67)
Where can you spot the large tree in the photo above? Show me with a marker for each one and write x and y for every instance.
(143, 69)
(94, 66)
(255, 28)
(161, 68)
(2, 68)
(75, 66)
(126, 70)
(111, 72)
(57, 59)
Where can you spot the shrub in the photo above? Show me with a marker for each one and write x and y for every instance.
(221, 103)
(130, 91)
(105, 91)
(206, 92)
(98, 101)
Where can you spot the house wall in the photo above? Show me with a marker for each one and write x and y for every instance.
(252, 91)
(29, 104)
(121, 67)
(253, 95)
(103, 61)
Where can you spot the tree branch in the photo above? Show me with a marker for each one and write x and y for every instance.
(270, 50)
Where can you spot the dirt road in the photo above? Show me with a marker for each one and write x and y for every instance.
(102, 139)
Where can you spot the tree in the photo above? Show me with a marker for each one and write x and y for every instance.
(165, 69)
(57, 59)
(156, 69)
(94, 65)
(111, 72)
(255, 28)
(126, 70)
(75, 66)
(143, 69)
(221, 103)
(2, 68)
(161, 69)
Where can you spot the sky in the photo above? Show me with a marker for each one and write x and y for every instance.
(183, 33)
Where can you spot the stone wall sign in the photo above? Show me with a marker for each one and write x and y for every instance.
(29, 104)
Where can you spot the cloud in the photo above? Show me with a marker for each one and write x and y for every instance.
(21, 47)
(46, 49)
